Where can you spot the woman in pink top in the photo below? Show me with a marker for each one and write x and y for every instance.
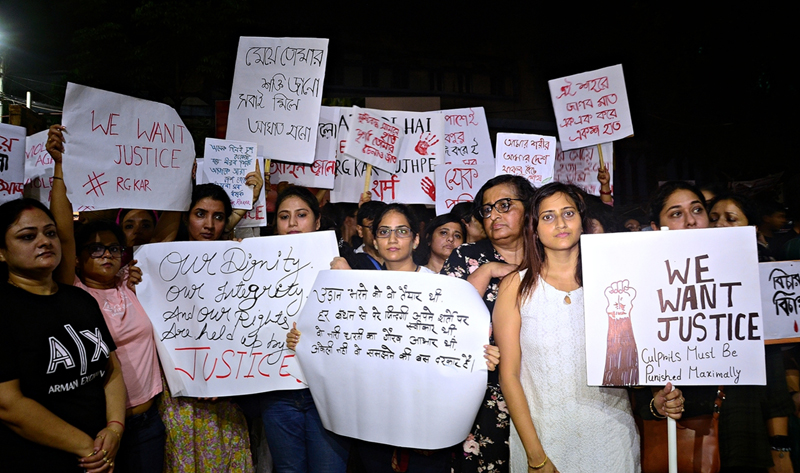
(95, 254)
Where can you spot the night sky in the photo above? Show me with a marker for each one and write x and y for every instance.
(712, 90)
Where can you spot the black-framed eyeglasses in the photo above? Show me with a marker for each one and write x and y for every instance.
(97, 250)
(502, 206)
(399, 232)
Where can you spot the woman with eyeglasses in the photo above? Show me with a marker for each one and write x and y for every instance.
(92, 260)
(500, 204)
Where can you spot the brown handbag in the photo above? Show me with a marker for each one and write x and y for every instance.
(698, 443)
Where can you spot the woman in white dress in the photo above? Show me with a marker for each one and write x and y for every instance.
(560, 423)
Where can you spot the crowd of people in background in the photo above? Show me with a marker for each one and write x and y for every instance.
(70, 294)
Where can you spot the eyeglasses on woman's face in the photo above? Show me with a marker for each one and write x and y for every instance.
(97, 250)
(502, 206)
(399, 232)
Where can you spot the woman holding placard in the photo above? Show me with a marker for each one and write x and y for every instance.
(560, 423)
(753, 423)
(500, 206)
(96, 252)
(297, 440)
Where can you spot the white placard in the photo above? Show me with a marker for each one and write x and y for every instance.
(457, 183)
(221, 310)
(257, 215)
(580, 166)
(120, 150)
(466, 137)
(780, 298)
(276, 95)
(373, 139)
(413, 180)
(591, 107)
(686, 305)
(321, 173)
(530, 156)
(227, 163)
(397, 360)
(38, 168)
(12, 162)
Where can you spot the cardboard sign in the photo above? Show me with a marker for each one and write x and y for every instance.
(276, 95)
(121, 150)
(227, 164)
(459, 183)
(580, 166)
(466, 137)
(530, 156)
(397, 360)
(12, 162)
(413, 179)
(38, 168)
(591, 107)
(321, 173)
(220, 310)
(780, 299)
(673, 306)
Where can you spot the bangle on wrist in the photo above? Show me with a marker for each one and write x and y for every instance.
(116, 422)
(540, 465)
(654, 411)
(59, 178)
(780, 443)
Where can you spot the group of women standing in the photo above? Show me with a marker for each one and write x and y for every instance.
(81, 388)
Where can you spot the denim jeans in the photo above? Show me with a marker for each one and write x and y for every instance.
(142, 447)
(297, 440)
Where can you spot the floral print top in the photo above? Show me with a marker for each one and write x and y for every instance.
(468, 257)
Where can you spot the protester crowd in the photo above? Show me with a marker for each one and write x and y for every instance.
(70, 297)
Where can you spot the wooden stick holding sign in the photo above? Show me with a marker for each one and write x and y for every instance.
(600, 155)
(367, 177)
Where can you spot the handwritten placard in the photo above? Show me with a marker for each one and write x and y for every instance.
(227, 164)
(120, 150)
(466, 137)
(321, 173)
(780, 298)
(38, 168)
(257, 215)
(530, 156)
(373, 139)
(457, 183)
(276, 95)
(673, 306)
(591, 107)
(580, 166)
(12, 162)
(382, 348)
(413, 179)
(221, 310)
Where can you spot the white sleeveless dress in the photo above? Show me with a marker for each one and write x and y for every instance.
(582, 428)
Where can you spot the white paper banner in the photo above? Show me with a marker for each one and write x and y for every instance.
(457, 183)
(38, 168)
(413, 181)
(321, 173)
(780, 298)
(530, 156)
(121, 150)
(12, 162)
(580, 166)
(673, 306)
(276, 95)
(591, 107)
(466, 138)
(398, 360)
(227, 163)
(221, 310)
(373, 139)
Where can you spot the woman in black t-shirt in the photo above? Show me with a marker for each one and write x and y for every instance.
(62, 397)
